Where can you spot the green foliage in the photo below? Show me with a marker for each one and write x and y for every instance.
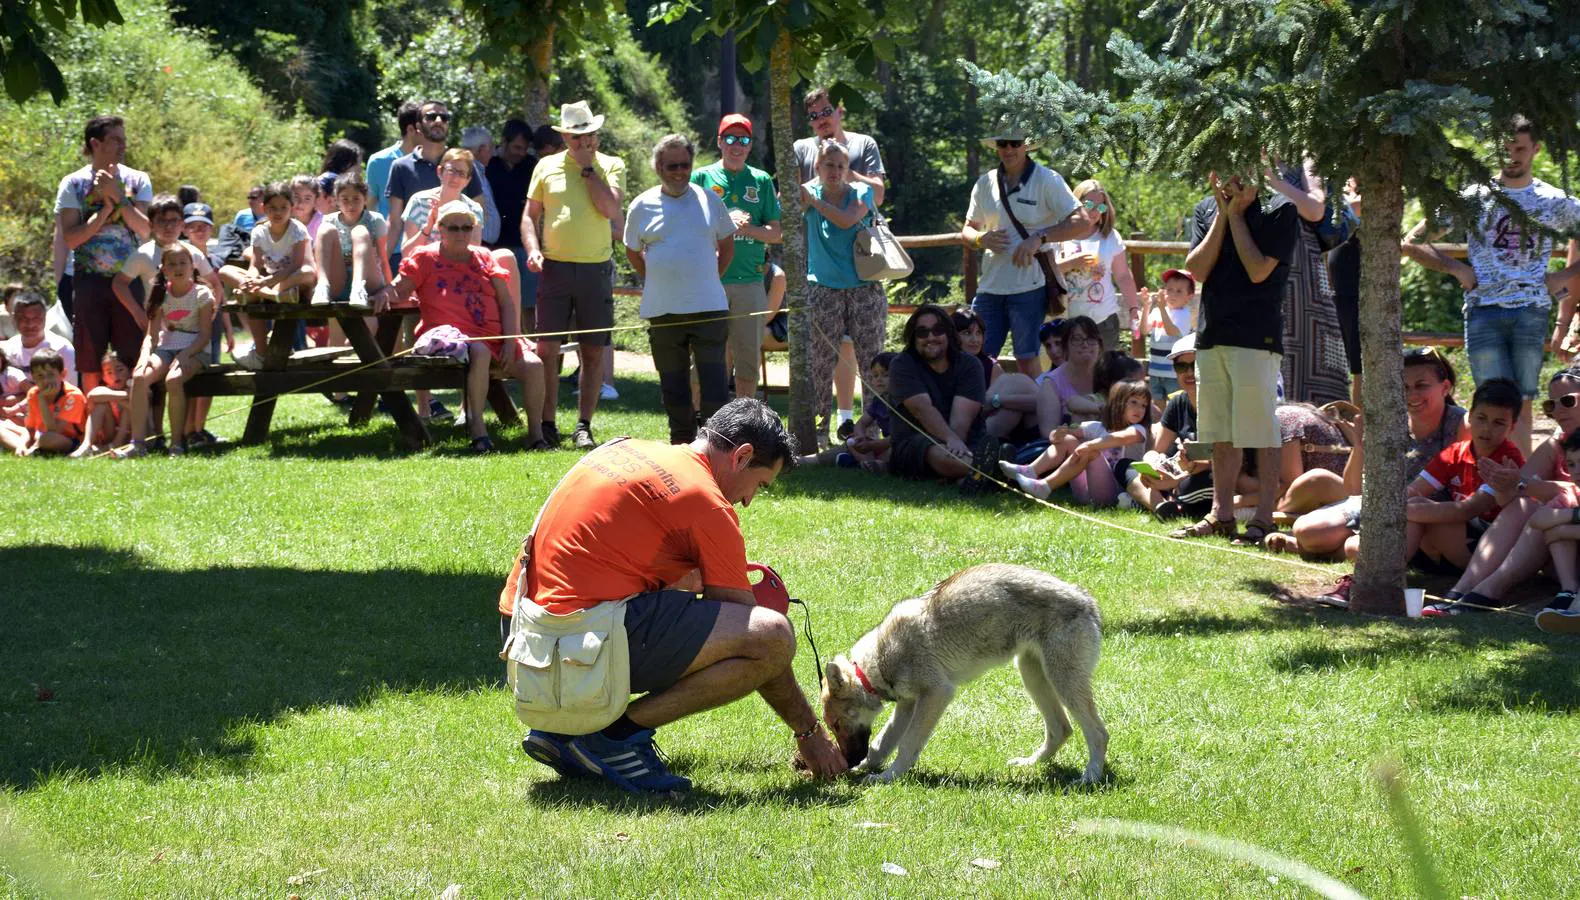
(438, 64)
(511, 28)
(191, 118)
(28, 27)
(818, 28)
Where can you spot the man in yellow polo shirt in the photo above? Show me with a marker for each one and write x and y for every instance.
(574, 202)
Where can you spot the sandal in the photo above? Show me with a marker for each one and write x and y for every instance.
(1256, 531)
(1208, 526)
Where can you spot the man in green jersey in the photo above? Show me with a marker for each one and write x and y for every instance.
(754, 206)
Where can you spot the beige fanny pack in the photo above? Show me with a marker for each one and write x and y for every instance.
(571, 674)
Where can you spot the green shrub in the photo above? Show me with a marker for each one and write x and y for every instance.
(192, 117)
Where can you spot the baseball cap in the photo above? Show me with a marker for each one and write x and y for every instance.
(198, 212)
(734, 119)
(1184, 345)
(1179, 273)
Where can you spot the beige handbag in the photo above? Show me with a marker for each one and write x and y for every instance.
(879, 256)
(570, 674)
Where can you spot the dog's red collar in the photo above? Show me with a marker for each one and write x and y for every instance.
(862, 677)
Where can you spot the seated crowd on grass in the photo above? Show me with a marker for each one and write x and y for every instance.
(1113, 393)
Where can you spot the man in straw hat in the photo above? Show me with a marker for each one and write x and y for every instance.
(1010, 297)
(574, 198)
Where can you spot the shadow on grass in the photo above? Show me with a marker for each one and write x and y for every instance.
(700, 800)
(1512, 665)
(110, 662)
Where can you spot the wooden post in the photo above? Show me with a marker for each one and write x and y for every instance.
(1138, 271)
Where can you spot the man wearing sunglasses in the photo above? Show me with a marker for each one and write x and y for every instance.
(419, 170)
(753, 203)
(828, 123)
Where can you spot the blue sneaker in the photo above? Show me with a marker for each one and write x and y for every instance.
(632, 764)
(553, 751)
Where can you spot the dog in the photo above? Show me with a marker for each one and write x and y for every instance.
(970, 622)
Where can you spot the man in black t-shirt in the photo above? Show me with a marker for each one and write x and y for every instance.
(937, 390)
(1242, 262)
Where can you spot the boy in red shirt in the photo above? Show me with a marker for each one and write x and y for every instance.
(56, 411)
(1440, 533)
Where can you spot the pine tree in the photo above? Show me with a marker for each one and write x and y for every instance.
(1402, 94)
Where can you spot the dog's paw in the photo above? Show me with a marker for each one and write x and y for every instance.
(1025, 761)
(879, 777)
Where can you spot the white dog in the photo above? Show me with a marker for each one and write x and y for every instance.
(973, 620)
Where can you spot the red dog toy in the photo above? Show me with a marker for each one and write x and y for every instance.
(770, 591)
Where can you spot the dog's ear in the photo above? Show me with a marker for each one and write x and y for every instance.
(834, 673)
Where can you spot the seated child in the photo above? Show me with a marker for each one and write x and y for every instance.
(181, 314)
(1559, 523)
(1096, 456)
(1168, 318)
(352, 260)
(56, 411)
(868, 444)
(109, 425)
(280, 265)
(1440, 534)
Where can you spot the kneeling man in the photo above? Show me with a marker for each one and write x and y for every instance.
(639, 521)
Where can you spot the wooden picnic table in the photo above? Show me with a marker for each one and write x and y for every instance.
(365, 369)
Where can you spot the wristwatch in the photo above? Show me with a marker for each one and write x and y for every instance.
(587, 171)
(995, 402)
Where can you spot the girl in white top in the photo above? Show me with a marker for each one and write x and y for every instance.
(1095, 455)
(180, 320)
(1093, 265)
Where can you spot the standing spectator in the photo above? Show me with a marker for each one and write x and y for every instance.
(197, 229)
(1506, 280)
(1097, 271)
(30, 314)
(937, 390)
(1344, 271)
(1313, 369)
(247, 219)
(547, 140)
(1241, 263)
(674, 233)
(509, 174)
(419, 170)
(840, 302)
(409, 120)
(100, 208)
(866, 167)
(462, 293)
(754, 208)
(573, 201)
(1010, 297)
(481, 144)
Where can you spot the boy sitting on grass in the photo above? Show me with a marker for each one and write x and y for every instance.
(56, 411)
(868, 444)
(1440, 534)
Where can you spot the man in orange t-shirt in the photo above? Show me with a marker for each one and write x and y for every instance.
(56, 411)
(640, 520)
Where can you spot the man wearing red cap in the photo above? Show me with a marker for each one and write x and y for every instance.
(749, 194)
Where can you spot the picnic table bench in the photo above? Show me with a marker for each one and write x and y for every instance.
(365, 369)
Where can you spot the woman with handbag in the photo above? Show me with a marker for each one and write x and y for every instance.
(839, 300)
(1013, 210)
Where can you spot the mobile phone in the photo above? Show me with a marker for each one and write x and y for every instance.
(1197, 451)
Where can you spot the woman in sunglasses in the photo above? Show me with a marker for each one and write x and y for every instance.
(1094, 263)
(466, 307)
(1511, 551)
(1435, 422)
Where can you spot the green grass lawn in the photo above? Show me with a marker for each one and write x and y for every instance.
(221, 674)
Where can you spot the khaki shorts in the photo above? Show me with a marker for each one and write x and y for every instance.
(1237, 397)
(746, 332)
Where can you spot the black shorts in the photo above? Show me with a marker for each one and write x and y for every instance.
(908, 457)
(583, 289)
(665, 631)
(1426, 565)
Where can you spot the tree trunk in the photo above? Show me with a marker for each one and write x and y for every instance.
(1380, 568)
(803, 393)
(540, 63)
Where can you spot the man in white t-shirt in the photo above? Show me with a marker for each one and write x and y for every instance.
(31, 314)
(1508, 290)
(679, 238)
(1010, 297)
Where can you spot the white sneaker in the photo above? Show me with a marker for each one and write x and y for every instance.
(250, 359)
(321, 293)
(607, 392)
(359, 294)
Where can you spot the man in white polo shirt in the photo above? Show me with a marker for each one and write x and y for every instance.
(680, 238)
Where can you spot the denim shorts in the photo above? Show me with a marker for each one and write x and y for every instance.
(1507, 342)
(1020, 314)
